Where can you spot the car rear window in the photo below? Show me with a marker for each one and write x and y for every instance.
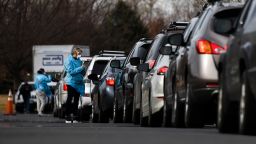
(99, 66)
(230, 14)
(142, 51)
(156, 45)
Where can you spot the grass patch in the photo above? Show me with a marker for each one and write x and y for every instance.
(3, 100)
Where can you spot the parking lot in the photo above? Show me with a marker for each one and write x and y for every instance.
(29, 128)
(129, 72)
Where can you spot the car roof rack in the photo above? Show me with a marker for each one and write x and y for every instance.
(175, 26)
(108, 53)
(145, 39)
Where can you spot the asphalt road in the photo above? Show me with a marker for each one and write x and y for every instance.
(31, 129)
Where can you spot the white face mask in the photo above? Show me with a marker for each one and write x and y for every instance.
(79, 56)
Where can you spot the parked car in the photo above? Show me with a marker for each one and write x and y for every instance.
(123, 103)
(19, 102)
(237, 94)
(196, 76)
(152, 95)
(104, 91)
(170, 77)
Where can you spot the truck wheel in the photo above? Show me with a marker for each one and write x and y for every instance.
(193, 118)
(247, 120)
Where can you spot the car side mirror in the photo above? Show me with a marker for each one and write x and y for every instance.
(143, 67)
(115, 64)
(135, 61)
(222, 26)
(176, 39)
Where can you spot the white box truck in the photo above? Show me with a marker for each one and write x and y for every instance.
(51, 57)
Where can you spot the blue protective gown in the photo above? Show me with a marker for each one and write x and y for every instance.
(75, 74)
(41, 84)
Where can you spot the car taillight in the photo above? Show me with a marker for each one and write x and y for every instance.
(110, 81)
(151, 63)
(162, 70)
(207, 47)
(65, 87)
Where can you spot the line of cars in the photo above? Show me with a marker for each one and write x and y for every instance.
(191, 74)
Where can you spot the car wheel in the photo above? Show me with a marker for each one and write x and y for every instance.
(167, 116)
(177, 111)
(227, 120)
(135, 113)
(62, 113)
(154, 120)
(19, 107)
(143, 120)
(84, 114)
(55, 113)
(95, 116)
(103, 117)
(117, 116)
(193, 112)
(127, 111)
(247, 118)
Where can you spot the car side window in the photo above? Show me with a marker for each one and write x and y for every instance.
(245, 13)
(250, 15)
(127, 60)
(197, 26)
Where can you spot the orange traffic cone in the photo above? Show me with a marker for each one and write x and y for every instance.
(9, 105)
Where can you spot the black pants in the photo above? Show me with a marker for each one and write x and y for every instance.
(26, 99)
(72, 107)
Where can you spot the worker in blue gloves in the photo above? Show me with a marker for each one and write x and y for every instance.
(75, 86)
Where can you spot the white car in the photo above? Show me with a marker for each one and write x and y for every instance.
(19, 102)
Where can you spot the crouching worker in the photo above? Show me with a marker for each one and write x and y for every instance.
(75, 86)
(42, 89)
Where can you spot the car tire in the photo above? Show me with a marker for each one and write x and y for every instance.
(227, 119)
(167, 111)
(154, 120)
(193, 111)
(135, 113)
(117, 113)
(55, 113)
(143, 120)
(62, 113)
(178, 109)
(103, 116)
(127, 111)
(19, 107)
(247, 117)
(84, 114)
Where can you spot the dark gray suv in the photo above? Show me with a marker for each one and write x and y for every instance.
(237, 96)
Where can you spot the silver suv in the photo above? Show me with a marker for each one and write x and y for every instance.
(196, 77)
